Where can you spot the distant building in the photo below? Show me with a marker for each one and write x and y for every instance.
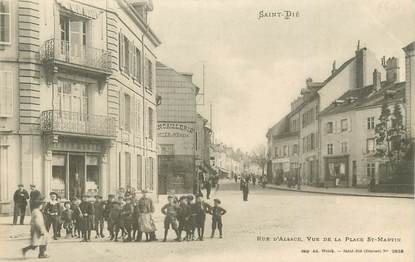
(177, 131)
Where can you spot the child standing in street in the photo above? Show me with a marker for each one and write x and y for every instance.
(217, 212)
(170, 210)
(67, 220)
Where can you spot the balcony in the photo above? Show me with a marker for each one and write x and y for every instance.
(77, 124)
(60, 55)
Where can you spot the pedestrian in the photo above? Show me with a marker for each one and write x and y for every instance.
(170, 210)
(127, 218)
(77, 187)
(245, 190)
(254, 180)
(67, 219)
(183, 217)
(86, 211)
(200, 209)
(114, 217)
(217, 212)
(236, 178)
(52, 212)
(145, 220)
(77, 217)
(99, 208)
(34, 194)
(20, 198)
(61, 208)
(38, 232)
(208, 187)
(191, 225)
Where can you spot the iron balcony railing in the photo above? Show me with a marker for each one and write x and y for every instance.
(78, 124)
(54, 50)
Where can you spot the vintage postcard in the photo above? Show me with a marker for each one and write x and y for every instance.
(207, 130)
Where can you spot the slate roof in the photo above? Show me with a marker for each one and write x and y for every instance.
(366, 97)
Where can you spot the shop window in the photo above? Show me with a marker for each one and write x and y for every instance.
(92, 175)
(5, 21)
(58, 175)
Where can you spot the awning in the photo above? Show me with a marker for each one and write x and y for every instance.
(80, 10)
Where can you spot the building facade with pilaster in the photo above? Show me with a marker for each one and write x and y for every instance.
(79, 81)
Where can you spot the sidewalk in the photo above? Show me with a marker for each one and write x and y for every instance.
(341, 191)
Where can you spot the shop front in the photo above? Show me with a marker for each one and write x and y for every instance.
(337, 171)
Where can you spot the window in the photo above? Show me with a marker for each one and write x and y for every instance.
(344, 147)
(370, 169)
(312, 141)
(127, 169)
(344, 125)
(138, 117)
(329, 128)
(370, 123)
(127, 112)
(167, 149)
(139, 172)
(138, 65)
(294, 124)
(276, 152)
(6, 94)
(5, 21)
(149, 75)
(329, 149)
(124, 54)
(370, 145)
(285, 153)
(308, 117)
(295, 149)
(150, 123)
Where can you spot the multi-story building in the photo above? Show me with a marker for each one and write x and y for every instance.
(78, 89)
(203, 136)
(348, 149)
(176, 130)
(410, 88)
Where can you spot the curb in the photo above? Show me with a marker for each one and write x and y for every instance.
(339, 193)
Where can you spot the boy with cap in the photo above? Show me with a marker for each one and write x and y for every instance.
(99, 207)
(127, 218)
(184, 216)
(114, 219)
(217, 212)
(87, 211)
(170, 211)
(67, 219)
(20, 202)
(52, 212)
(200, 209)
(191, 224)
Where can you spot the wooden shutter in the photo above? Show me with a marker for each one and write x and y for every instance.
(134, 57)
(349, 124)
(130, 59)
(121, 51)
(137, 116)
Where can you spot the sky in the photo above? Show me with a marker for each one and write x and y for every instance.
(255, 67)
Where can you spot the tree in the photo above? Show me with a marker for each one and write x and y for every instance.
(259, 157)
(391, 139)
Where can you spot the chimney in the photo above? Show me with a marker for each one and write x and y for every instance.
(376, 80)
(392, 70)
(333, 70)
(360, 66)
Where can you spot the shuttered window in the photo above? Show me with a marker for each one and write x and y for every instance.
(139, 172)
(6, 94)
(5, 21)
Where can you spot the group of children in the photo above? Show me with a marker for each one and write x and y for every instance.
(129, 218)
(186, 215)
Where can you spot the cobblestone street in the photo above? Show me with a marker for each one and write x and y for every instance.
(268, 213)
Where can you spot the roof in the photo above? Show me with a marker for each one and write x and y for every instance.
(359, 98)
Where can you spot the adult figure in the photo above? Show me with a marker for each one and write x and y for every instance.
(20, 202)
(87, 212)
(52, 212)
(77, 186)
(145, 220)
(38, 233)
(34, 196)
(245, 190)
(208, 187)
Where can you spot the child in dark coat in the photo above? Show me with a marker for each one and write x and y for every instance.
(67, 219)
(217, 212)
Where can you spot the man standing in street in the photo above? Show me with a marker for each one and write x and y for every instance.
(34, 195)
(245, 190)
(87, 211)
(20, 202)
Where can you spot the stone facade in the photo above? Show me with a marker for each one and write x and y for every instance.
(75, 108)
